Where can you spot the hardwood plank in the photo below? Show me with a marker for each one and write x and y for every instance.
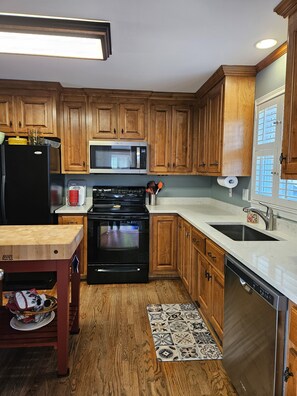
(114, 352)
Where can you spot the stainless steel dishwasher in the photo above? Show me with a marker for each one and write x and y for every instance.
(254, 332)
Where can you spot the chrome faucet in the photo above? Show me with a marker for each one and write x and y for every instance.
(267, 217)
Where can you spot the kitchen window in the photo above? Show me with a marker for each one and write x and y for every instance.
(267, 185)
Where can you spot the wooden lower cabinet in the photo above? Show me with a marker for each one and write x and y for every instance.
(210, 292)
(163, 245)
(291, 369)
(83, 220)
(184, 253)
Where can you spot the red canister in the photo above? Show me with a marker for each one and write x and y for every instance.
(73, 197)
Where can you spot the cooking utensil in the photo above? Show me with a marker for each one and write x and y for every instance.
(160, 186)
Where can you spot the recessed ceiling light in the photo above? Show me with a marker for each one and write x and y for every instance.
(267, 43)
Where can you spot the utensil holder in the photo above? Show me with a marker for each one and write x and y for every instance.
(153, 199)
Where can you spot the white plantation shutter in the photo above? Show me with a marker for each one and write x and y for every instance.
(266, 183)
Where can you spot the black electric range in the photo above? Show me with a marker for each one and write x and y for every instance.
(118, 235)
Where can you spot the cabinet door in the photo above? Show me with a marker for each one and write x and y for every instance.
(78, 219)
(182, 139)
(292, 380)
(215, 125)
(104, 121)
(180, 244)
(163, 245)
(132, 121)
(6, 113)
(74, 137)
(217, 299)
(289, 149)
(159, 139)
(36, 112)
(202, 137)
(204, 289)
(186, 256)
(194, 271)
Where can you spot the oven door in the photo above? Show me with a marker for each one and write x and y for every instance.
(118, 248)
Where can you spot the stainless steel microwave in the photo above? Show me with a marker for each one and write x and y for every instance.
(108, 156)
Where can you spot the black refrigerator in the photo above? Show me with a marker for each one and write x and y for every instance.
(31, 189)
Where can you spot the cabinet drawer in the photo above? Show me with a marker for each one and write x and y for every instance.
(215, 255)
(71, 219)
(293, 325)
(198, 239)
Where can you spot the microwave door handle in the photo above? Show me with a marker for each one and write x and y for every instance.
(138, 157)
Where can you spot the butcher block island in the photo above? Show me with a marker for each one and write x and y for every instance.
(39, 249)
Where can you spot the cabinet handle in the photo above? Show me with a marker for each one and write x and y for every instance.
(122, 131)
(211, 256)
(202, 164)
(282, 158)
(168, 164)
(214, 163)
(84, 163)
(194, 240)
(173, 164)
(10, 123)
(208, 276)
(114, 131)
(20, 124)
(288, 374)
(205, 274)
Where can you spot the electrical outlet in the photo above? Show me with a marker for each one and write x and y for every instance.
(245, 194)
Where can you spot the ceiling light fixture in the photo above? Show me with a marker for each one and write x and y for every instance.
(54, 36)
(267, 43)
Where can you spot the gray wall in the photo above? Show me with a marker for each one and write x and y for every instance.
(174, 186)
(272, 77)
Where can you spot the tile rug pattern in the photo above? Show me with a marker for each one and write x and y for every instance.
(180, 333)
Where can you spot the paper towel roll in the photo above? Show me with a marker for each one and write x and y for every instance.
(227, 181)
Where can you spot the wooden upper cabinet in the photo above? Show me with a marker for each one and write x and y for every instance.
(117, 119)
(288, 8)
(104, 121)
(74, 138)
(182, 135)
(160, 135)
(202, 137)
(132, 121)
(171, 138)
(36, 112)
(225, 122)
(24, 109)
(214, 132)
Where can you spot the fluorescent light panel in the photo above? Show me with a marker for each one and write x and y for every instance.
(50, 36)
(41, 44)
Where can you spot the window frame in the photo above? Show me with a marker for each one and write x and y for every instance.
(282, 207)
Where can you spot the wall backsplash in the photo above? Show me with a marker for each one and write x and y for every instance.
(174, 186)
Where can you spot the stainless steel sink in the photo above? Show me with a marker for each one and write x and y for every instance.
(241, 232)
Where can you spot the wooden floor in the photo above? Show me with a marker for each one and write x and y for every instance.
(114, 353)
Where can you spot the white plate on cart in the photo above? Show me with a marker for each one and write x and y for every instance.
(17, 325)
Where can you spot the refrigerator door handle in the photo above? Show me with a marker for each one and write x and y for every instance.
(3, 183)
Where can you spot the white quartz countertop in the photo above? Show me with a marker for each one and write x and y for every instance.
(273, 261)
(83, 209)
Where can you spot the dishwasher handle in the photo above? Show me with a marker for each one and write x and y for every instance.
(245, 286)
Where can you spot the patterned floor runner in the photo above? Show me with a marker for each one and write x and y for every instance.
(180, 333)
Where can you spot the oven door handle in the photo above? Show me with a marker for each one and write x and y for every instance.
(118, 218)
(118, 269)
